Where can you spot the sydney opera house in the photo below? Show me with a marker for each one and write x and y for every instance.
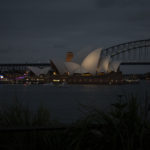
(94, 63)
(93, 68)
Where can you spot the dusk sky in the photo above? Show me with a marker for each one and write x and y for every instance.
(35, 31)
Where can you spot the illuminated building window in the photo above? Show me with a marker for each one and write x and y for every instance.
(54, 73)
(56, 80)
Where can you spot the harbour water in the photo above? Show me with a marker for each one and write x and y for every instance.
(67, 103)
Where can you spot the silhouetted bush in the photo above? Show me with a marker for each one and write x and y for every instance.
(125, 126)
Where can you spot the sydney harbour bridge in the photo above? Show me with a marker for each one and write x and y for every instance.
(130, 53)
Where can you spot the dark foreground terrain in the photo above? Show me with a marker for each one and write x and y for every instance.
(126, 126)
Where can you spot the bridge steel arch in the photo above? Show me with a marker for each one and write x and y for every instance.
(138, 50)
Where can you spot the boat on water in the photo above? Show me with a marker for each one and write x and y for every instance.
(57, 84)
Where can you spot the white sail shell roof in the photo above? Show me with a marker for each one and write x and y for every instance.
(104, 63)
(81, 54)
(81, 70)
(37, 71)
(60, 66)
(71, 67)
(113, 66)
(90, 63)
